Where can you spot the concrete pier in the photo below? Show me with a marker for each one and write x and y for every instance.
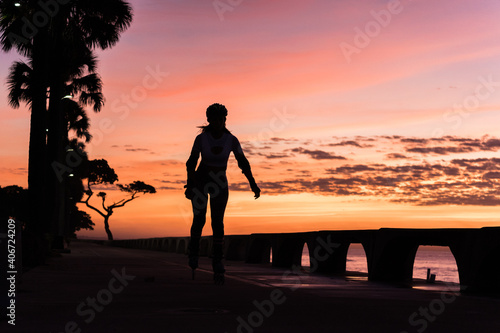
(390, 253)
(98, 288)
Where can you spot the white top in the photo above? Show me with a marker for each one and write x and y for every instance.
(215, 152)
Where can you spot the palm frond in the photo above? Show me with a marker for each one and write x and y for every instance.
(90, 83)
(94, 99)
(102, 22)
(19, 84)
(77, 119)
(11, 27)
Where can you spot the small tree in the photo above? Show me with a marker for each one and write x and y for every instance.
(99, 172)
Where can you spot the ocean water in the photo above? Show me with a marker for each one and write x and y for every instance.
(438, 259)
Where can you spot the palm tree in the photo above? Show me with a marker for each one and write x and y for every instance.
(77, 86)
(81, 90)
(75, 29)
(79, 26)
(11, 37)
(86, 90)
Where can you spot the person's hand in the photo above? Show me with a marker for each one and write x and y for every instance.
(255, 190)
(188, 192)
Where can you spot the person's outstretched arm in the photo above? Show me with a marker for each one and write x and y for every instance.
(244, 165)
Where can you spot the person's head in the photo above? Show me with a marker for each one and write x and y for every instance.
(216, 117)
(216, 112)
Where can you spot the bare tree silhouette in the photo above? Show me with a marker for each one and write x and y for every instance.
(100, 173)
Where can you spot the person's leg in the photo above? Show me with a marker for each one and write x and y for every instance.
(218, 205)
(199, 204)
(219, 195)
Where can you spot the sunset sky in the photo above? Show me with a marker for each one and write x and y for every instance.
(353, 115)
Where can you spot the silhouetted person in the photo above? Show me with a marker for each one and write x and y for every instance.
(215, 143)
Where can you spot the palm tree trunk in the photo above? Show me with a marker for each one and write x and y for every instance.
(57, 135)
(56, 139)
(37, 195)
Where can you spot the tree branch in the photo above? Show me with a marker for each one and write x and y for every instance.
(86, 202)
(122, 203)
(104, 207)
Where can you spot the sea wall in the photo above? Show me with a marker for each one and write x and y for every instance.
(390, 252)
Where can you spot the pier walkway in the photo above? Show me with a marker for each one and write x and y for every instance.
(98, 288)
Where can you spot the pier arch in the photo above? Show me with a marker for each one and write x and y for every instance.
(356, 259)
(439, 260)
(305, 259)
